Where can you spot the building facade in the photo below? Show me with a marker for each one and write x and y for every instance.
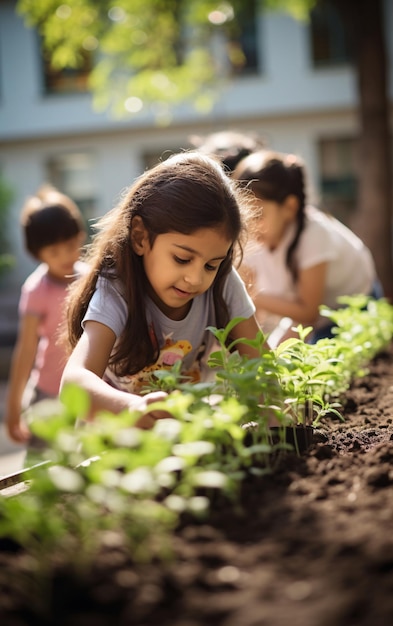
(299, 95)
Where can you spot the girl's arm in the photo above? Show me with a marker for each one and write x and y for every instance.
(310, 292)
(249, 278)
(86, 367)
(22, 362)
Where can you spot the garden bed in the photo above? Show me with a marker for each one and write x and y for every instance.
(310, 545)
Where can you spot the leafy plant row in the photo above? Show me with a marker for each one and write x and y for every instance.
(106, 481)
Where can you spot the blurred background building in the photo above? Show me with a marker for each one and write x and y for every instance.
(296, 89)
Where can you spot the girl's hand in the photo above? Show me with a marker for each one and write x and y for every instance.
(149, 418)
(17, 430)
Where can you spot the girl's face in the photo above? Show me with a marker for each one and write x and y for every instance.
(60, 257)
(274, 220)
(180, 267)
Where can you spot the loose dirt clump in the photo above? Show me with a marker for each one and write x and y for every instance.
(310, 545)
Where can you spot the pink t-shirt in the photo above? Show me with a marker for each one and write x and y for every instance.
(43, 296)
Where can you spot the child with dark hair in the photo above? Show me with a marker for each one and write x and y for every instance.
(54, 231)
(229, 146)
(161, 272)
(299, 257)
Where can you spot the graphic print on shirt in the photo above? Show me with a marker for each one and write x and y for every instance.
(170, 353)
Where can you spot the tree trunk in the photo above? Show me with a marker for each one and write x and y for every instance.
(373, 220)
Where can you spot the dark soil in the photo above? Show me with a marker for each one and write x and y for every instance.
(310, 545)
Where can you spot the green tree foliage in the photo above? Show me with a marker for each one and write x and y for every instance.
(147, 52)
(300, 9)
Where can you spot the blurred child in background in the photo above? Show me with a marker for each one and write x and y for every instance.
(229, 146)
(54, 232)
(298, 257)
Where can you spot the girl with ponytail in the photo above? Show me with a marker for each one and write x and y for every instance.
(298, 257)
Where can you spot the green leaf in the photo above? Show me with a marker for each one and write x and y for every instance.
(75, 400)
(210, 479)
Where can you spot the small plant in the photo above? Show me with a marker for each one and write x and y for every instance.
(311, 377)
(319, 374)
(254, 382)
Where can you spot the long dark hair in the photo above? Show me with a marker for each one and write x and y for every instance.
(187, 192)
(275, 176)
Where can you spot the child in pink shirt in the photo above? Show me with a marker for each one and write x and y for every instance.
(54, 232)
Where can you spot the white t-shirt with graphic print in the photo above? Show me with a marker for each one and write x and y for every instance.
(186, 339)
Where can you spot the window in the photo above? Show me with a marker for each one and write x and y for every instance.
(67, 80)
(338, 176)
(73, 174)
(233, 38)
(329, 39)
(243, 43)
